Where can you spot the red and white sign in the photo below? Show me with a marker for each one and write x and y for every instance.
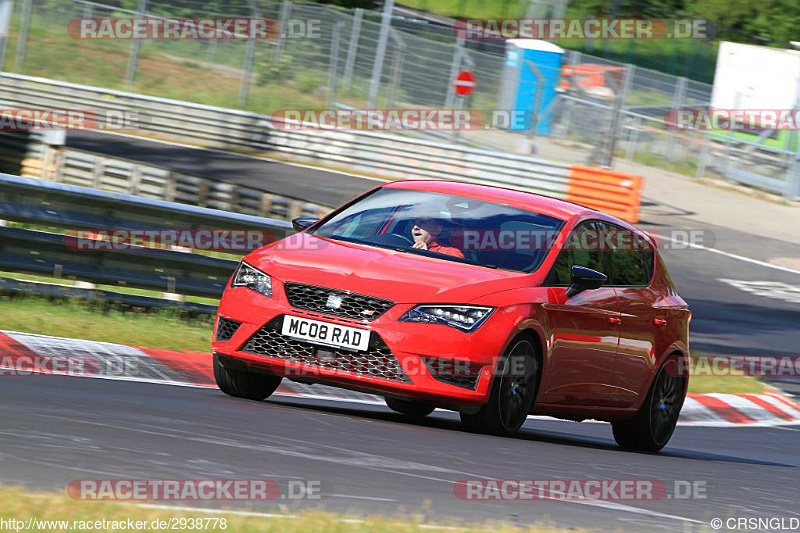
(465, 83)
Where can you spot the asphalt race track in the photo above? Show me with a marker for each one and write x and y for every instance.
(56, 429)
(314, 185)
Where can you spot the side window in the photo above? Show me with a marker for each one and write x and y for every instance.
(582, 248)
(629, 257)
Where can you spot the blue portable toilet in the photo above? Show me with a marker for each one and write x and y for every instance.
(531, 74)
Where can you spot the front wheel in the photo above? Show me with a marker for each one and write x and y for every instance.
(653, 426)
(244, 384)
(410, 408)
(512, 395)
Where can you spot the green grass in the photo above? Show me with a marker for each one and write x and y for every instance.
(476, 9)
(732, 383)
(162, 329)
(687, 166)
(19, 504)
(112, 288)
(726, 384)
(181, 70)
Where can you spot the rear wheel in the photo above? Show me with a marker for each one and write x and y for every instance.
(512, 395)
(410, 408)
(653, 426)
(244, 384)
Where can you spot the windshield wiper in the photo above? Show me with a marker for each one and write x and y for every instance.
(368, 243)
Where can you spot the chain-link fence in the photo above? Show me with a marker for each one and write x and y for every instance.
(329, 57)
(417, 69)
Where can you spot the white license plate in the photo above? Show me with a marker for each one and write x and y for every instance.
(325, 333)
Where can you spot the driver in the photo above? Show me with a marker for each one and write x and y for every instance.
(425, 232)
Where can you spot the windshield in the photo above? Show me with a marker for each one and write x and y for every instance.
(448, 227)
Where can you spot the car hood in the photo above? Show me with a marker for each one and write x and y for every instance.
(398, 276)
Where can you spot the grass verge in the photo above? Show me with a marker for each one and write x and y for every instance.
(112, 288)
(162, 329)
(50, 506)
(732, 383)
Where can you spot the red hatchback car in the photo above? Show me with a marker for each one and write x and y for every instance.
(491, 302)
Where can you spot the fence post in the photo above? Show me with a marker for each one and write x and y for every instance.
(211, 56)
(566, 116)
(355, 35)
(136, 44)
(333, 66)
(616, 117)
(6, 12)
(633, 139)
(792, 191)
(701, 164)
(244, 90)
(397, 68)
(726, 155)
(24, 26)
(380, 54)
(249, 54)
(677, 103)
(454, 66)
(283, 22)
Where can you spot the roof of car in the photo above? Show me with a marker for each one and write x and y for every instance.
(521, 199)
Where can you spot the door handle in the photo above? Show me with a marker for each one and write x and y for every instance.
(614, 320)
(659, 322)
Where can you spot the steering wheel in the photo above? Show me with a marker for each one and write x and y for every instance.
(394, 239)
(408, 240)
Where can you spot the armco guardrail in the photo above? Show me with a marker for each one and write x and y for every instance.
(68, 206)
(379, 153)
(32, 158)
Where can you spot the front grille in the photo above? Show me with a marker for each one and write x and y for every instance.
(378, 361)
(453, 372)
(226, 328)
(323, 300)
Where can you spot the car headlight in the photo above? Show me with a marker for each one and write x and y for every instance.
(252, 278)
(463, 317)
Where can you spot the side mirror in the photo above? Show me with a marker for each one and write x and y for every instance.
(583, 279)
(302, 223)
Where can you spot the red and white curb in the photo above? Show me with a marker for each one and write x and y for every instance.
(27, 353)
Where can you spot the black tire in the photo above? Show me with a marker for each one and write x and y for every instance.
(513, 393)
(653, 426)
(410, 408)
(244, 384)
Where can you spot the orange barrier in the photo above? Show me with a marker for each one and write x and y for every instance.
(616, 193)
